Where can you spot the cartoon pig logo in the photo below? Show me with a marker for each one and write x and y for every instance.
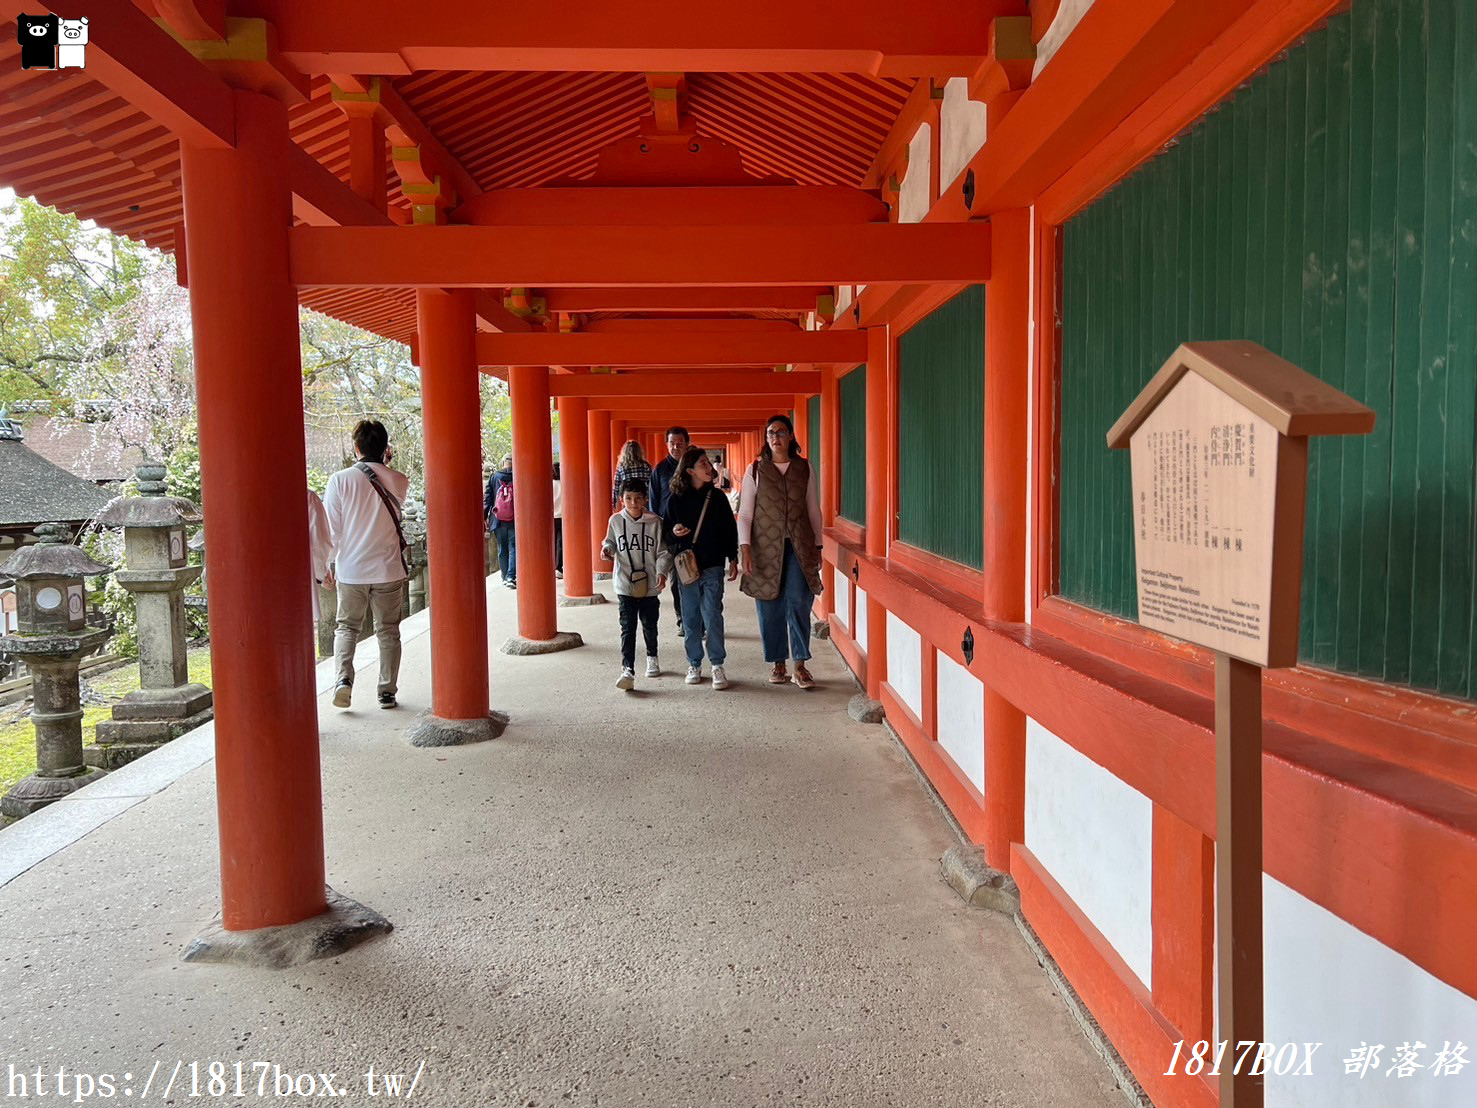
(72, 49)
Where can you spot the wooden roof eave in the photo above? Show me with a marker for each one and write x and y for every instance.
(1292, 400)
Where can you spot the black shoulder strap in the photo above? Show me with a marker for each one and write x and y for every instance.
(387, 500)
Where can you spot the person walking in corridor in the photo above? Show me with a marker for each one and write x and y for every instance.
(558, 524)
(497, 509)
(630, 466)
(633, 541)
(699, 520)
(362, 503)
(779, 531)
(661, 487)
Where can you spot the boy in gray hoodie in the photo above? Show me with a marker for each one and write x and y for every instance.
(633, 541)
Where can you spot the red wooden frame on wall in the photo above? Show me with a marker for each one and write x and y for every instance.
(1420, 730)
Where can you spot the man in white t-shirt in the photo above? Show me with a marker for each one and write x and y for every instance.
(363, 507)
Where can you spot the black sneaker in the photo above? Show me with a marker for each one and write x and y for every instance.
(387, 700)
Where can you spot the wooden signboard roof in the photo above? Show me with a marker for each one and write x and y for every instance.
(1292, 400)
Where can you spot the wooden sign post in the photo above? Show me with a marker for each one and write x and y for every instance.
(1218, 442)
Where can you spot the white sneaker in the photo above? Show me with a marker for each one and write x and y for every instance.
(627, 679)
(694, 675)
(653, 667)
(720, 679)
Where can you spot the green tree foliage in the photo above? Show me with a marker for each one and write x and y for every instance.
(61, 282)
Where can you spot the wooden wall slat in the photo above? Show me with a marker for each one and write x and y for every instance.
(852, 390)
(1327, 210)
(941, 411)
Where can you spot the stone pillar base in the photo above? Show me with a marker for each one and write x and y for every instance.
(431, 730)
(156, 704)
(344, 925)
(978, 883)
(582, 601)
(120, 741)
(562, 640)
(865, 710)
(821, 629)
(31, 794)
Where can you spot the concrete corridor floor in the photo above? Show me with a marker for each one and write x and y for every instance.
(666, 898)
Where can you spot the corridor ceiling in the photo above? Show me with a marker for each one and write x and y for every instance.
(89, 142)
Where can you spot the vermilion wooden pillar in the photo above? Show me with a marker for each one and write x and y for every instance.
(601, 476)
(1007, 382)
(451, 416)
(533, 487)
(574, 477)
(803, 434)
(238, 207)
(617, 439)
(830, 447)
(879, 483)
(367, 173)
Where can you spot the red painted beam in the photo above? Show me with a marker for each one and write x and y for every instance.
(778, 298)
(673, 349)
(493, 315)
(132, 56)
(931, 38)
(319, 198)
(707, 326)
(724, 406)
(690, 206)
(366, 257)
(717, 383)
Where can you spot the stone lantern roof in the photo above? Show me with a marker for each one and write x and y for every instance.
(53, 556)
(152, 508)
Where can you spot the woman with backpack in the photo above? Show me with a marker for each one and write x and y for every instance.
(699, 526)
(779, 532)
(497, 506)
(632, 464)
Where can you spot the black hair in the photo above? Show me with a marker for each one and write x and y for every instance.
(679, 431)
(370, 439)
(795, 451)
(681, 484)
(635, 484)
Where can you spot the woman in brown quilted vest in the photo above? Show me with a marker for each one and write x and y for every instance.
(779, 525)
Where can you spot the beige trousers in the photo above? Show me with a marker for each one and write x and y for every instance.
(386, 603)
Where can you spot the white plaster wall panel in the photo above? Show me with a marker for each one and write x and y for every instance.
(914, 196)
(961, 130)
(961, 717)
(1094, 835)
(843, 298)
(1326, 981)
(1067, 17)
(905, 664)
(861, 618)
(843, 596)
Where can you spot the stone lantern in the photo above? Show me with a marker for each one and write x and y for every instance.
(167, 703)
(52, 636)
(414, 528)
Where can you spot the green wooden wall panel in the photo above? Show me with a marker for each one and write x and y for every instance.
(813, 447)
(941, 413)
(1328, 210)
(853, 404)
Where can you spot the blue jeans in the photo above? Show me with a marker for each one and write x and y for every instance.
(507, 550)
(702, 608)
(788, 611)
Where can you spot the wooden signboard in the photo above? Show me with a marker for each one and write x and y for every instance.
(1218, 444)
(1219, 451)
